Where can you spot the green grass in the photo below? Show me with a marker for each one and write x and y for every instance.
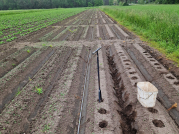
(157, 24)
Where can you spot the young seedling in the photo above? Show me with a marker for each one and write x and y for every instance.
(46, 128)
(39, 90)
(18, 91)
(28, 51)
(30, 79)
(44, 45)
(13, 64)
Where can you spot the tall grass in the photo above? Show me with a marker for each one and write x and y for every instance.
(159, 23)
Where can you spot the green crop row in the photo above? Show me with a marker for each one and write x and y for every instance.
(14, 25)
(158, 23)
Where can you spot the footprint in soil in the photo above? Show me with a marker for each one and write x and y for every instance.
(158, 123)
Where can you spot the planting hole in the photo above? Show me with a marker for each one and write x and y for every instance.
(126, 60)
(156, 64)
(135, 85)
(150, 57)
(127, 64)
(134, 78)
(170, 77)
(152, 60)
(144, 52)
(152, 110)
(159, 68)
(102, 111)
(132, 72)
(103, 124)
(176, 83)
(101, 100)
(158, 123)
(120, 52)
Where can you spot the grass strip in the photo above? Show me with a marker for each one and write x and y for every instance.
(156, 24)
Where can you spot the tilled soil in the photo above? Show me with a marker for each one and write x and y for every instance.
(49, 81)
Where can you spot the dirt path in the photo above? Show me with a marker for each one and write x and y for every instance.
(49, 81)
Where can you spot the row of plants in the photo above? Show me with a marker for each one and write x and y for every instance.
(17, 25)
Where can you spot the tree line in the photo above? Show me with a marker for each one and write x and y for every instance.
(116, 2)
(45, 4)
(40, 4)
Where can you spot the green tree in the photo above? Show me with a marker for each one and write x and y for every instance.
(90, 4)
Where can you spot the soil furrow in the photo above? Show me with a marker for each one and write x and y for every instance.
(6, 53)
(70, 116)
(13, 90)
(12, 62)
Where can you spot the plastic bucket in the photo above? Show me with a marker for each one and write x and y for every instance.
(146, 94)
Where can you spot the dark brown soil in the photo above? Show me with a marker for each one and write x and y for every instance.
(6, 53)
(68, 123)
(37, 37)
(8, 91)
(12, 62)
(78, 34)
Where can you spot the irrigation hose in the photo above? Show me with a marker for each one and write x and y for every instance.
(87, 73)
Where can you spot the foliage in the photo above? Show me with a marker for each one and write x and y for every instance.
(123, 4)
(41, 4)
(90, 4)
(39, 90)
(28, 50)
(98, 2)
(157, 23)
(20, 23)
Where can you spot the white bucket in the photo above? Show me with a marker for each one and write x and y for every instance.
(147, 94)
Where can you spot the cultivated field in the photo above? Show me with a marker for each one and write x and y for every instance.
(17, 24)
(49, 81)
